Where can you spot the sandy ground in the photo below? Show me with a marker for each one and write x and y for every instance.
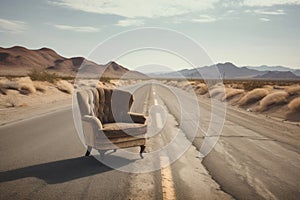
(18, 104)
(15, 106)
(269, 100)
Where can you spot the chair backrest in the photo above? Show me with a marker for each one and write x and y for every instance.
(109, 105)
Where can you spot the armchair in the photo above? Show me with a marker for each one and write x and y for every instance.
(106, 121)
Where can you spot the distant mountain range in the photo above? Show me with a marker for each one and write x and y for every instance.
(21, 61)
(270, 68)
(230, 71)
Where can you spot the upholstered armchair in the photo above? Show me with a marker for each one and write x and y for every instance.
(106, 121)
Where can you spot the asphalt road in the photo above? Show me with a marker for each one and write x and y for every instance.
(255, 157)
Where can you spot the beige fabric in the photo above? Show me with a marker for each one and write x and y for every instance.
(83, 102)
(121, 125)
(114, 130)
(94, 120)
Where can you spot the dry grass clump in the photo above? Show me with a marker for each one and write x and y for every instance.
(272, 99)
(11, 85)
(40, 86)
(293, 90)
(3, 89)
(187, 87)
(65, 86)
(251, 85)
(24, 85)
(201, 88)
(268, 87)
(11, 101)
(294, 105)
(254, 95)
(217, 92)
(232, 92)
(37, 75)
(172, 83)
(237, 86)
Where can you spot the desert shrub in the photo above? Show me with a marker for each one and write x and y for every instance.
(65, 86)
(3, 86)
(237, 86)
(268, 87)
(37, 75)
(11, 101)
(293, 90)
(217, 92)
(251, 85)
(3, 90)
(26, 85)
(105, 79)
(294, 105)
(201, 88)
(253, 96)
(39, 86)
(187, 87)
(12, 85)
(277, 87)
(273, 98)
(231, 92)
(172, 83)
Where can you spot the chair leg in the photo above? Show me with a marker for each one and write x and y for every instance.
(101, 154)
(88, 151)
(142, 150)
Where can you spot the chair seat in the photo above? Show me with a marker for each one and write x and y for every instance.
(121, 125)
(120, 129)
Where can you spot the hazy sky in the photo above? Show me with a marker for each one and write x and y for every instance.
(245, 32)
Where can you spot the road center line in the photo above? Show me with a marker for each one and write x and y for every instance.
(159, 121)
(158, 117)
(167, 182)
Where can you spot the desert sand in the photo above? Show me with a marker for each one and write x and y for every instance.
(281, 102)
(21, 98)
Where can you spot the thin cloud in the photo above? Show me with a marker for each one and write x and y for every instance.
(136, 8)
(205, 19)
(87, 29)
(12, 26)
(269, 3)
(130, 22)
(264, 19)
(268, 12)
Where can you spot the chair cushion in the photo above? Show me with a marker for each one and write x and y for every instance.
(121, 125)
(113, 130)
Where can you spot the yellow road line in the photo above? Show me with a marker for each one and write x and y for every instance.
(167, 182)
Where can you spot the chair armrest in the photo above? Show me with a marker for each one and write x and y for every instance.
(137, 118)
(91, 126)
(96, 123)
